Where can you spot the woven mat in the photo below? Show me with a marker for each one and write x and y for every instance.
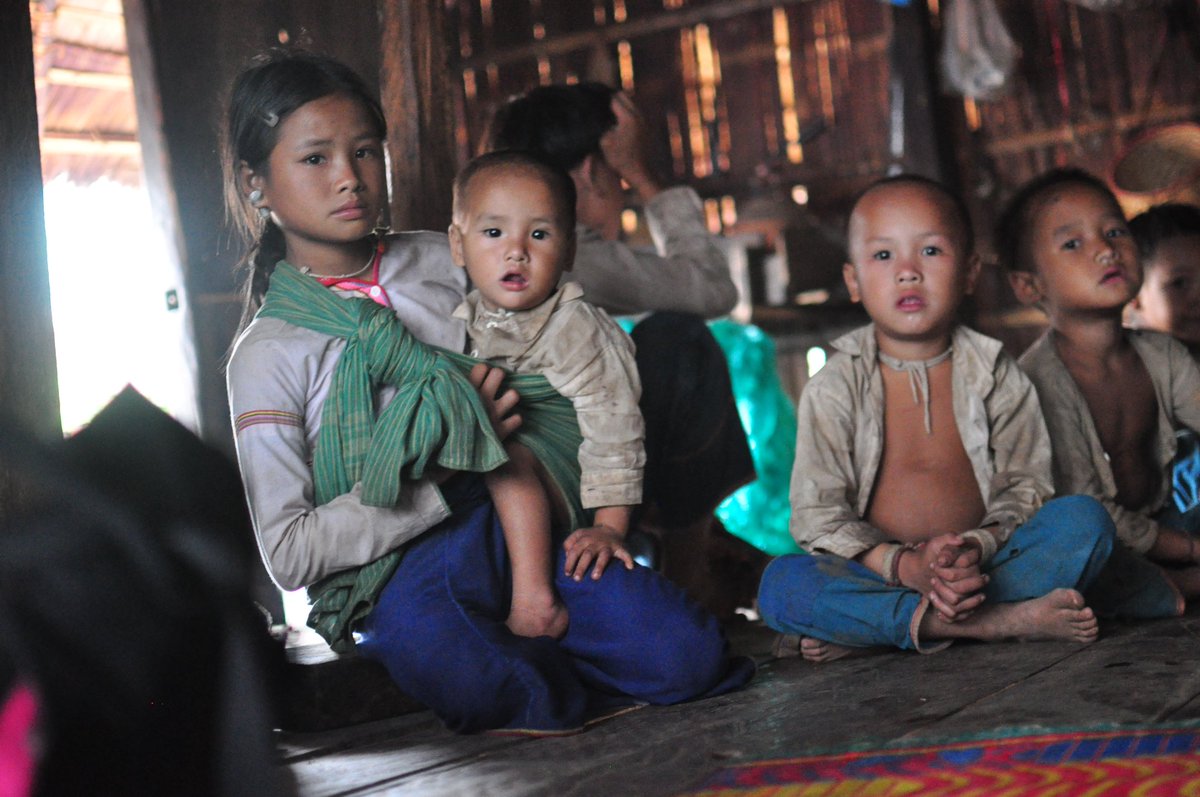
(1145, 761)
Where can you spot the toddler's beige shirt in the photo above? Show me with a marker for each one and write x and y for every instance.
(587, 358)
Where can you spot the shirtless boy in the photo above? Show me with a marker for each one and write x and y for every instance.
(1112, 397)
(922, 461)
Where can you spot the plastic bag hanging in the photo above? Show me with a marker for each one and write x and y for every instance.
(978, 55)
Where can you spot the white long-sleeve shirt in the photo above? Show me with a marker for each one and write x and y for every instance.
(278, 377)
(686, 271)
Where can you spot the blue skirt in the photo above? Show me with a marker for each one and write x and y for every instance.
(633, 638)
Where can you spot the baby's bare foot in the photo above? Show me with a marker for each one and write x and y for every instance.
(538, 618)
(1187, 582)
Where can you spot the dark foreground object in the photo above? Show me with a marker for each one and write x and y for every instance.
(125, 583)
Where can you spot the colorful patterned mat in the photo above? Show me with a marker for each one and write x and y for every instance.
(1158, 761)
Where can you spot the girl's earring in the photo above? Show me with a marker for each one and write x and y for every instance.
(255, 197)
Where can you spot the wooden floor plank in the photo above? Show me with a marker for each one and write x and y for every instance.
(1135, 674)
(1145, 676)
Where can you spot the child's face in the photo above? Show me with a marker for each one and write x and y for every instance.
(510, 234)
(907, 266)
(1169, 300)
(1083, 256)
(325, 182)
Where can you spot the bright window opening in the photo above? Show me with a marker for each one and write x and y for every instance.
(118, 312)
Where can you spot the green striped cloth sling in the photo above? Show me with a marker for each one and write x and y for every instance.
(436, 417)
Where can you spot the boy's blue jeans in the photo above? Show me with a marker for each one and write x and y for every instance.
(1069, 543)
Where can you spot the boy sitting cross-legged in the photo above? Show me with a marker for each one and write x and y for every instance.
(1112, 398)
(922, 461)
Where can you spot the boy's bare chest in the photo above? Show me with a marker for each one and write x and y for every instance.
(925, 484)
(905, 435)
(1124, 410)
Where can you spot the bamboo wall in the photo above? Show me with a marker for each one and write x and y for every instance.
(755, 103)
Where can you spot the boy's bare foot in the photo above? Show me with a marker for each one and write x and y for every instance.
(818, 651)
(1187, 581)
(1057, 615)
(538, 618)
(815, 650)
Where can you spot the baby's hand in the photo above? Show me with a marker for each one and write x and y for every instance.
(599, 544)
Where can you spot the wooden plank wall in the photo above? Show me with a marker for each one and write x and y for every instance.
(738, 140)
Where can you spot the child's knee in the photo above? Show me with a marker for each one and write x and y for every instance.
(779, 591)
(1079, 520)
(686, 666)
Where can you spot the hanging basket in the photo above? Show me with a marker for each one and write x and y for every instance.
(1160, 165)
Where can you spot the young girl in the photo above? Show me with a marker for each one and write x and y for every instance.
(415, 568)
(1112, 398)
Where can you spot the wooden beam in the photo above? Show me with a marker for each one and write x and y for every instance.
(102, 15)
(151, 145)
(55, 142)
(76, 78)
(28, 370)
(1071, 134)
(918, 139)
(417, 95)
(650, 24)
(60, 41)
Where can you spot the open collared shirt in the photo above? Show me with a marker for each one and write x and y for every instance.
(1080, 462)
(839, 442)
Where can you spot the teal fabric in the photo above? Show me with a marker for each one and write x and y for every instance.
(759, 512)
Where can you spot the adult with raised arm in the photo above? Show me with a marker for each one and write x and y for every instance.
(696, 450)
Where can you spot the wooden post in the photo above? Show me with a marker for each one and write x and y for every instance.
(28, 371)
(918, 141)
(156, 160)
(415, 87)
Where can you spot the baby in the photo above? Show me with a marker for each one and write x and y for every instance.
(513, 231)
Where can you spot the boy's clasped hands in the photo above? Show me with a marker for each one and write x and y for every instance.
(946, 569)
